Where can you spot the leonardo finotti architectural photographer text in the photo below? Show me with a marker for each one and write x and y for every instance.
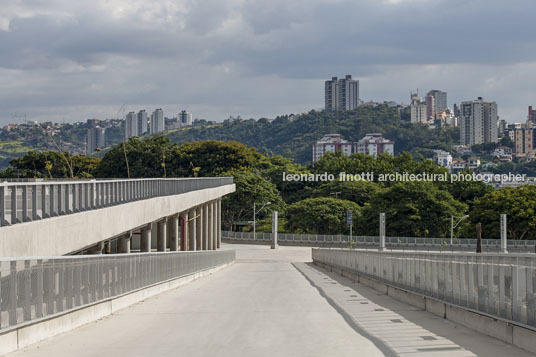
(405, 177)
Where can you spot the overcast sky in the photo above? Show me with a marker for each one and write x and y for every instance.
(65, 60)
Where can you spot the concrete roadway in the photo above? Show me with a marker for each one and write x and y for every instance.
(271, 303)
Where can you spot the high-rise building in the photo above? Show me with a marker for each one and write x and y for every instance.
(374, 144)
(95, 139)
(157, 121)
(418, 110)
(185, 118)
(331, 93)
(430, 107)
(478, 122)
(439, 101)
(142, 122)
(341, 94)
(525, 140)
(331, 143)
(131, 125)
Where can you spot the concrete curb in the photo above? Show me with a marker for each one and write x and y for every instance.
(507, 331)
(26, 334)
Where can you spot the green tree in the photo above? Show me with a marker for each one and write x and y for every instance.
(50, 164)
(211, 158)
(412, 209)
(151, 157)
(273, 168)
(250, 189)
(360, 192)
(321, 215)
(519, 204)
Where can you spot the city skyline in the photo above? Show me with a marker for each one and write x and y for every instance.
(73, 61)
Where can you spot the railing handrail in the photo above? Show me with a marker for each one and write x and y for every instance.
(106, 180)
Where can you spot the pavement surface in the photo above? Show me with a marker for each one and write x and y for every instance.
(271, 303)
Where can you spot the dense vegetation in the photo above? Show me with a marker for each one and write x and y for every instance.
(421, 209)
(293, 136)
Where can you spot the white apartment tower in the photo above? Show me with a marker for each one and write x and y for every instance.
(131, 125)
(478, 122)
(341, 94)
(440, 100)
(95, 139)
(142, 122)
(418, 110)
(185, 118)
(157, 121)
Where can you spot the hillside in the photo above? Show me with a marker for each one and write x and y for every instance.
(294, 138)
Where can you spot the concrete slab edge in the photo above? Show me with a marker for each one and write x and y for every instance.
(509, 332)
(23, 336)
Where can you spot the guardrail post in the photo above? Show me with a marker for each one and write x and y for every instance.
(13, 204)
(25, 217)
(12, 291)
(3, 205)
(34, 203)
(504, 247)
(382, 232)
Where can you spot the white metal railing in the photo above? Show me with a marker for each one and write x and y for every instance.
(30, 201)
(374, 241)
(501, 285)
(34, 288)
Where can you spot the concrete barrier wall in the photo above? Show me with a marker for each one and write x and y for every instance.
(453, 286)
(27, 333)
(61, 235)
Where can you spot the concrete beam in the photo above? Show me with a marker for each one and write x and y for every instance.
(66, 234)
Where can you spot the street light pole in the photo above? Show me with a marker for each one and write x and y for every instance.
(452, 226)
(254, 218)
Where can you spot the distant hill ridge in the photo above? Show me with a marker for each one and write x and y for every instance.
(294, 137)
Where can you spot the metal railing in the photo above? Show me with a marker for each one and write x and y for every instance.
(30, 201)
(412, 243)
(32, 289)
(501, 285)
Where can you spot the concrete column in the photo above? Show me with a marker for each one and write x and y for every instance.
(210, 219)
(199, 229)
(191, 230)
(145, 239)
(123, 244)
(219, 223)
(107, 247)
(173, 233)
(205, 227)
(214, 225)
(184, 230)
(161, 242)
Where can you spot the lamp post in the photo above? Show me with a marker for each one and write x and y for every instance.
(336, 194)
(452, 226)
(254, 215)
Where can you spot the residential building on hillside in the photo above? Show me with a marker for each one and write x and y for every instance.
(524, 140)
(439, 102)
(142, 122)
(331, 143)
(95, 139)
(157, 121)
(418, 110)
(478, 122)
(374, 144)
(131, 125)
(185, 118)
(341, 94)
(443, 158)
